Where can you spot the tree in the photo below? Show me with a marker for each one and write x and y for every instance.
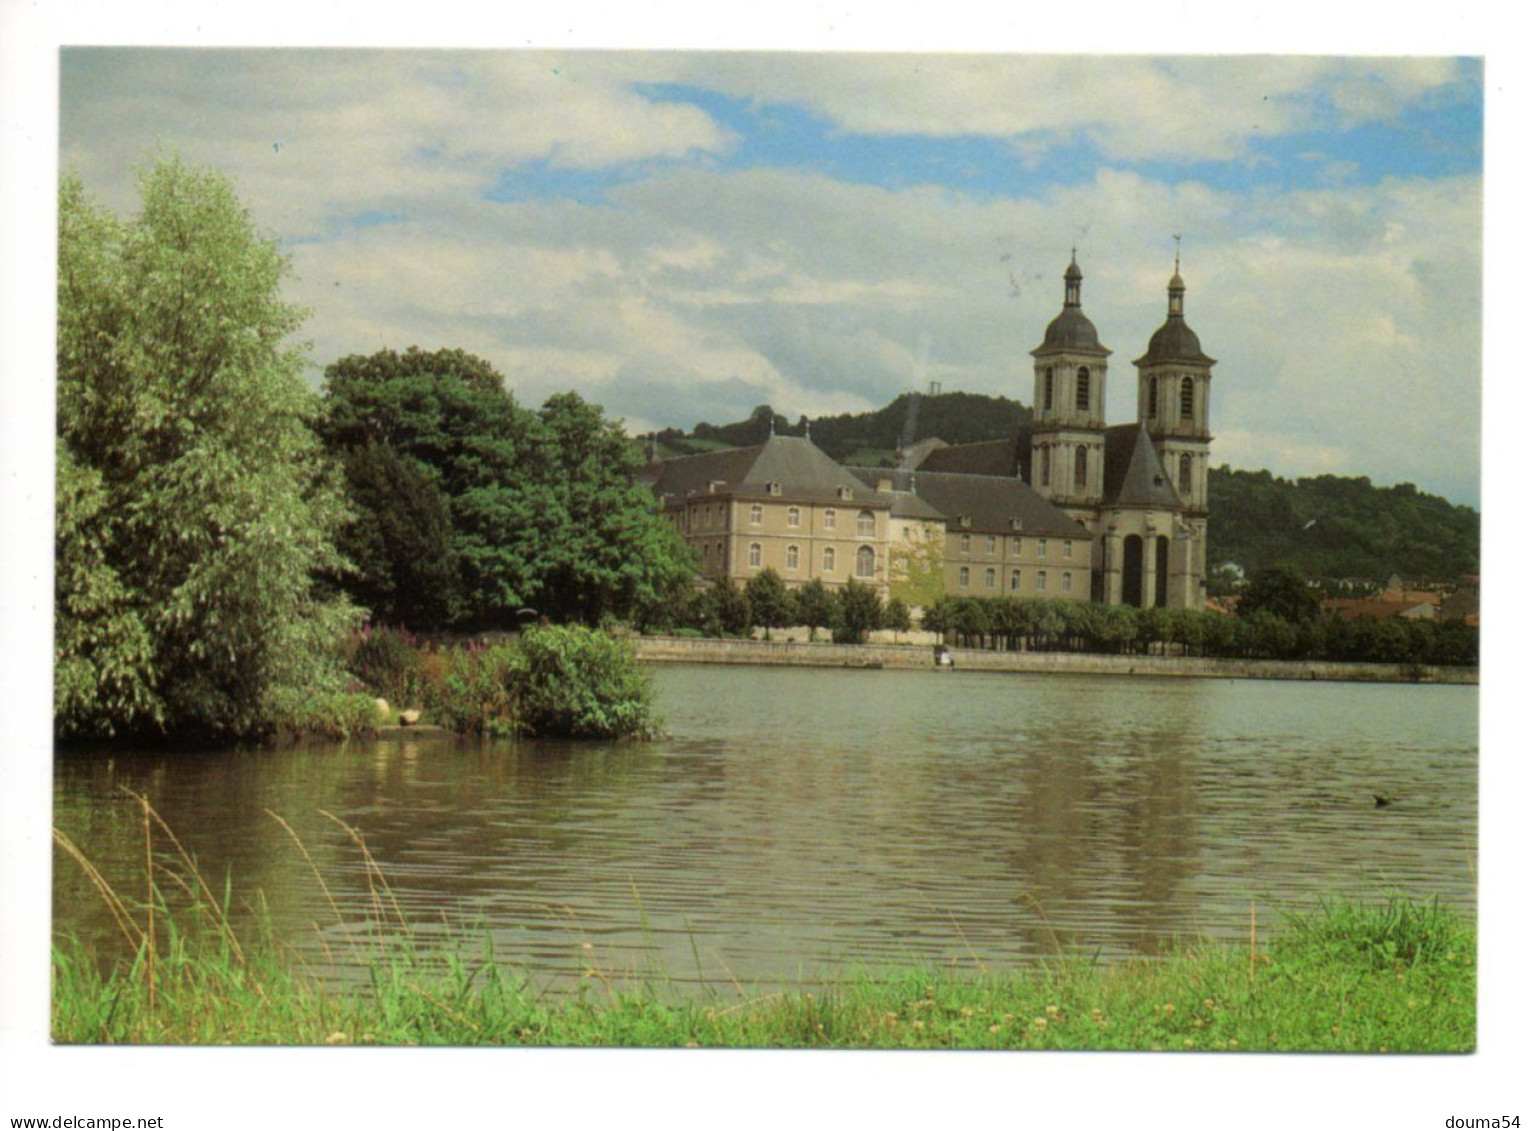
(813, 606)
(446, 413)
(196, 507)
(895, 617)
(858, 611)
(606, 548)
(1280, 591)
(769, 604)
(732, 607)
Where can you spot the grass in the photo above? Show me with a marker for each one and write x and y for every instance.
(1396, 975)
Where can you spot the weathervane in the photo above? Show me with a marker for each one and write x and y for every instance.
(1177, 253)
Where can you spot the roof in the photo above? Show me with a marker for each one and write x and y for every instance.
(991, 503)
(986, 457)
(1073, 332)
(1174, 341)
(802, 470)
(1134, 475)
(903, 502)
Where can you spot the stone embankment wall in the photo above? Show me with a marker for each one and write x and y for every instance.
(691, 650)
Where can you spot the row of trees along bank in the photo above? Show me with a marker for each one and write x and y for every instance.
(222, 530)
(1276, 621)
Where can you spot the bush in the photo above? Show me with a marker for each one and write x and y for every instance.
(576, 683)
(388, 661)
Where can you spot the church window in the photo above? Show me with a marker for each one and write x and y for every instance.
(988, 579)
(1187, 399)
(829, 518)
(1047, 467)
(1153, 398)
(792, 556)
(1081, 469)
(829, 559)
(754, 555)
(1185, 473)
(757, 514)
(1082, 390)
(1047, 388)
(866, 524)
(866, 562)
(963, 576)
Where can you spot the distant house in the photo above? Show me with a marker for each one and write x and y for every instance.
(1378, 608)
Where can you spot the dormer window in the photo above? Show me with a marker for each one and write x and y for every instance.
(773, 488)
(964, 520)
(845, 492)
(1016, 524)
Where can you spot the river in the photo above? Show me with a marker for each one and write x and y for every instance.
(798, 823)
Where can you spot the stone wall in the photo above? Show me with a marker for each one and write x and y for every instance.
(691, 650)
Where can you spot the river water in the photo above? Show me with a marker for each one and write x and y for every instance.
(801, 822)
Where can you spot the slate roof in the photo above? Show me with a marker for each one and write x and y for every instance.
(991, 502)
(1134, 475)
(804, 472)
(1071, 331)
(986, 457)
(1174, 341)
(904, 503)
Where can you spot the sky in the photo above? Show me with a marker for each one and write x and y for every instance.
(681, 236)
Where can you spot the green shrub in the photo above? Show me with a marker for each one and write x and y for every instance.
(475, 692)
(388, 661)
(576, 683)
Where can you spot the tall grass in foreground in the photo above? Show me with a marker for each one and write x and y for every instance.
(1396, 976)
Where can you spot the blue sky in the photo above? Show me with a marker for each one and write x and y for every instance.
(684, 235)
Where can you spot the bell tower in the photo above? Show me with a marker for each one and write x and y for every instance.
(1068, 432)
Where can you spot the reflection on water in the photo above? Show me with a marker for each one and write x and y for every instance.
(800, 821)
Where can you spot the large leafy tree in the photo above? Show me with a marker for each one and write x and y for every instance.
(445, 418)
(195, 506)
(1280, 591)
(606, 548)
(770, 604)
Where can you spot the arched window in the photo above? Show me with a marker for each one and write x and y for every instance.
(1081, 470)
(829, 518)
(866, 563)
(988, 579)
(792, 556)
(1187, 399)
(1153, 398)
(794, 517)
(1015, 579)
(866, 524)
(757, 514)
(1047, 388)
(1185, 474)
(1082, 390)
(829, 559)
(755, 555)
(963, 576)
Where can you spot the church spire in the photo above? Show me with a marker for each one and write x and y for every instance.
(1177, 286)
(1071, 280)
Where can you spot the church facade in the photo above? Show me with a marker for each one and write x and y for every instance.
(1070, 507)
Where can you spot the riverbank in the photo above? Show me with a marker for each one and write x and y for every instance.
(1398, 977)
(692, 650)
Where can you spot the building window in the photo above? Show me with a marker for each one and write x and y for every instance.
(1081, 469)
(794, 517)
(1041, 547)
(722, 515)
(1047, 467)
(792, 556)
(1187, 399)
(844, 492)
(1068, 582)
(1082, 390)
(1153, 398)
(706, 556)
(757, 514)
(1185, 473)
(829, 518)
(1015, 579)
(963, 575)
(988, 579)
(866, 562)
(967, 543)
(1047, 388)
(1068, 547)
(722, 557)
(754, 555)
(991, 545)
(1015, 547)
(1041, 581)
(866, 524)
(773, 488)
(829, 559)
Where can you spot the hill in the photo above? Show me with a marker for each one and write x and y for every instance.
(1326, 526)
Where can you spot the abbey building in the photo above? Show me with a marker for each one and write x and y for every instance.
(1070, 507)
